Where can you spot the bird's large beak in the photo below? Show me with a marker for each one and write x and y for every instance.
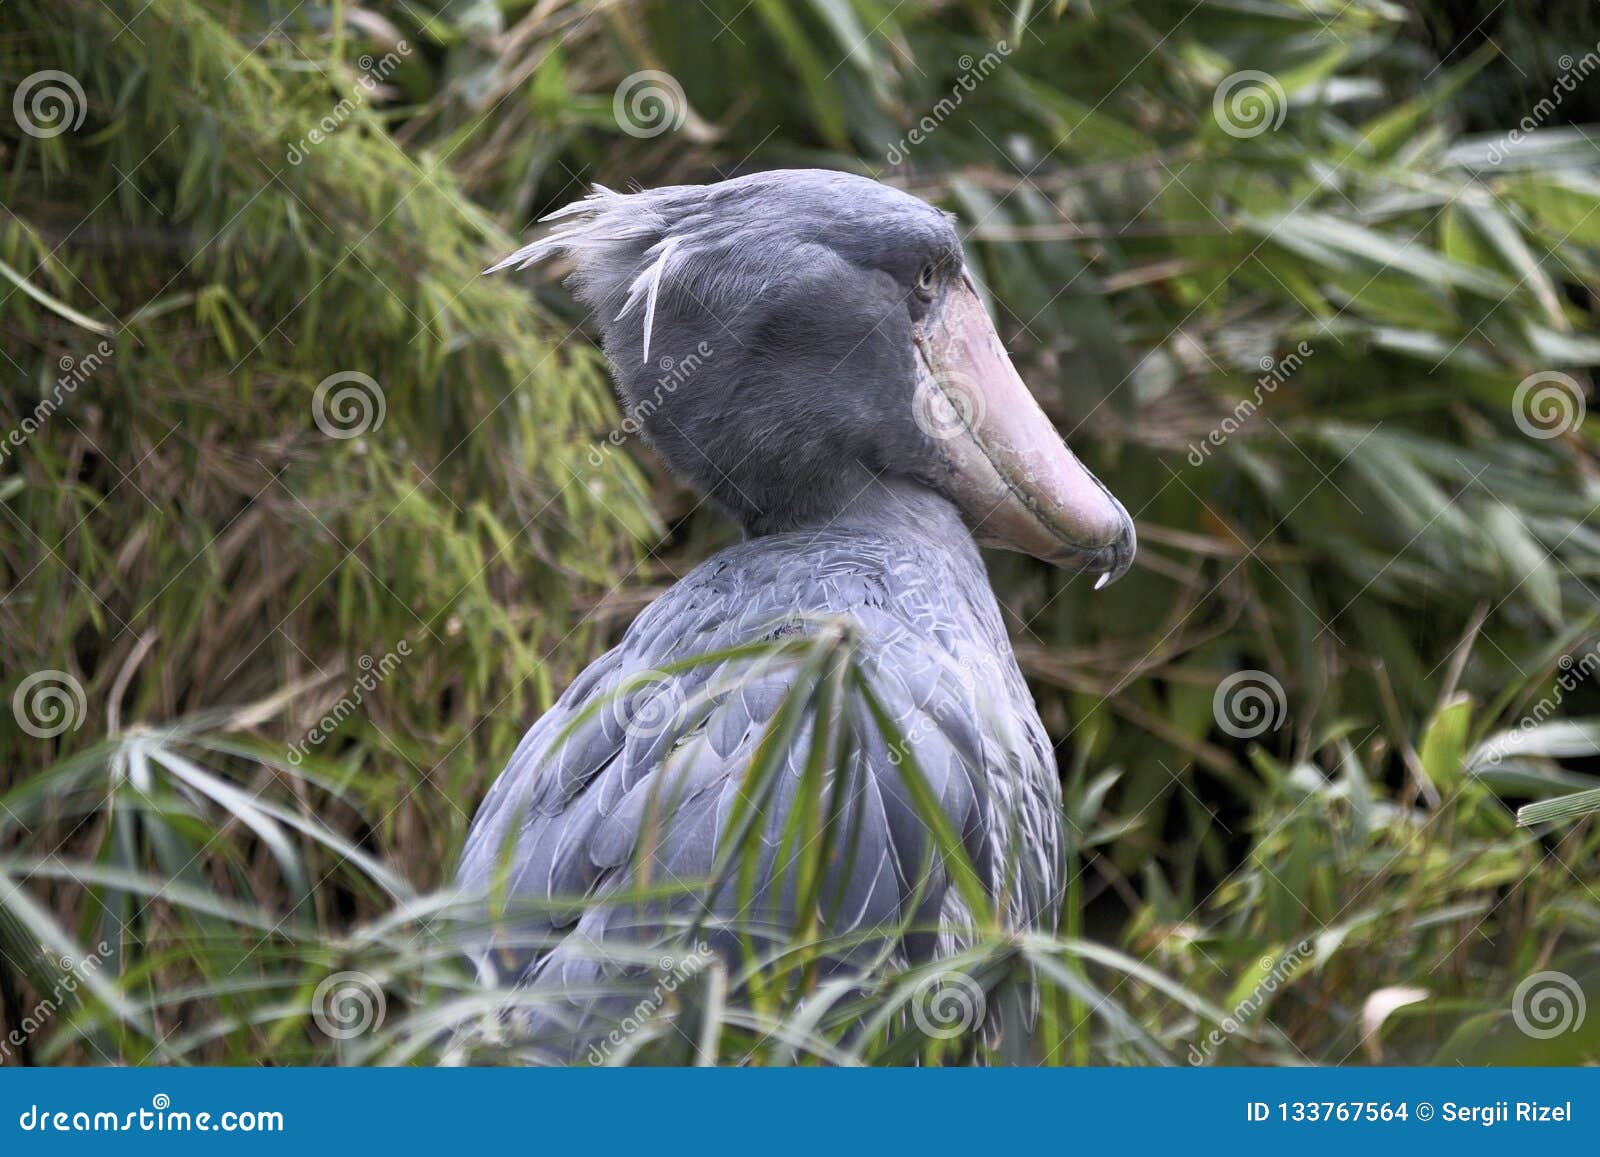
(1013, 477)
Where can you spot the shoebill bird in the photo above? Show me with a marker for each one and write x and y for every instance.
(839, 390)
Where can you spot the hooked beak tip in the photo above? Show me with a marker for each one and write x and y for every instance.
(1121, 552)
(1109, 562)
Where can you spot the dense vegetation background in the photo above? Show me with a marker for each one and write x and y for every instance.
(302, 523)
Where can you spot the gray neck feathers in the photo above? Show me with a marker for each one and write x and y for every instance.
(897, 508)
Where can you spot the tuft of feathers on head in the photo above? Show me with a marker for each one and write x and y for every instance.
(649, 262)
(706, 251)
(602, 217)
(621, 248)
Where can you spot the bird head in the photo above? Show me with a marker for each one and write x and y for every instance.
(783, 339)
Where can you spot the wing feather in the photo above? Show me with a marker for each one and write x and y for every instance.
(645, 785)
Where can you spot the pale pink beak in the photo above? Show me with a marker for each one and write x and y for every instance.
(1008, 470)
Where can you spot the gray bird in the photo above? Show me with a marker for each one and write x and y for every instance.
(805, 348)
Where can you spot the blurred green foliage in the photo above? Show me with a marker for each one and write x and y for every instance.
(1281, 271)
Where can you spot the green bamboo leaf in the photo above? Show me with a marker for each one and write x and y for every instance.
(1564, 809)
(55, 304)
(1443, 748)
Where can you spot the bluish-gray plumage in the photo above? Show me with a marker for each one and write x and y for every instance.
(806, 304)
(569, 815)
(797, 281)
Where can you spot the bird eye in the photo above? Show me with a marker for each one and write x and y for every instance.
(926, 278)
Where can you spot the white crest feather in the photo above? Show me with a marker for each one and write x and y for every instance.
(605, 221)
(622, 246)
(648, 283)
